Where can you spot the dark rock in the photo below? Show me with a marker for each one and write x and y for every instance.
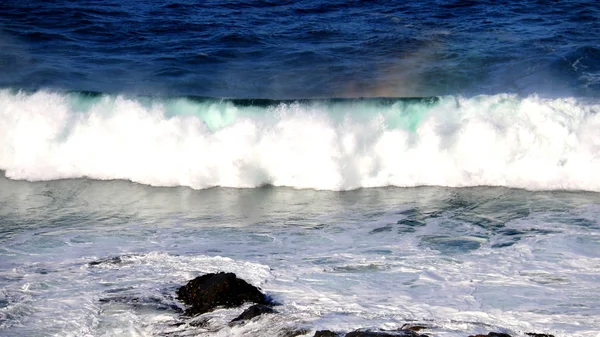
(291, 332)
(413, 327)
(200, 323)
(493, 334)
(112, 260)
(253, 311)
(533, 334)
(138, 303)
(398, 333)
(206, 292)
(325, 333)
(411, 223)
(381, 229)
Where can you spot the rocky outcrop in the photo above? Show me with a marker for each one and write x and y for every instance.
(207, 292)
(292, 332)
(326, 333)
(253, 311)
(395, 333)
(143, 302)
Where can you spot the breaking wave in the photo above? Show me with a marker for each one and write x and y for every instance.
(331, 144)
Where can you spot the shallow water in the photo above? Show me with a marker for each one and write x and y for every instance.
(108, 256)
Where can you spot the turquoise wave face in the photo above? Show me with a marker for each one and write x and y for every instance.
(217, 113)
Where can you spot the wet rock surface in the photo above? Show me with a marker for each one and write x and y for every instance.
(141, 302)
(209, 291)
(396, 333)
(326, 333)
(293, 332)
(492, 334)
(253, 311)
(113, 260)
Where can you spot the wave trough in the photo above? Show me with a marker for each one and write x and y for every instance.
(499, 140)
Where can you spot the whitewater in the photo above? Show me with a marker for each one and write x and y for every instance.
(328, 144)
(82, 257)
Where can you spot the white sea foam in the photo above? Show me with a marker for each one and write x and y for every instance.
(472, 261)
(500, 140)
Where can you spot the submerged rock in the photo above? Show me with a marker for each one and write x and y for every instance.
(407, 330)
(293, 332)
(209, 291)
(397, 333)
(121, 260)
(206, 292)
(412, 327)
(253, 311)
(112, 260)
(143, 302)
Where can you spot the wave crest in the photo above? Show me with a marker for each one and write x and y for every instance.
(499, 140)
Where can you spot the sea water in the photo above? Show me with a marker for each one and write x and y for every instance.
(366, 164)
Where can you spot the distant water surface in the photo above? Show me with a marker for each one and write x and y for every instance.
(292, 49)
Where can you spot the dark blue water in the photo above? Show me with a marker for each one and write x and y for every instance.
(292, 49)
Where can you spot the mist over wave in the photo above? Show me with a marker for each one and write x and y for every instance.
(499, 140)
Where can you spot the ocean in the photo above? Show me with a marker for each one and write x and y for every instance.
(367, 164)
